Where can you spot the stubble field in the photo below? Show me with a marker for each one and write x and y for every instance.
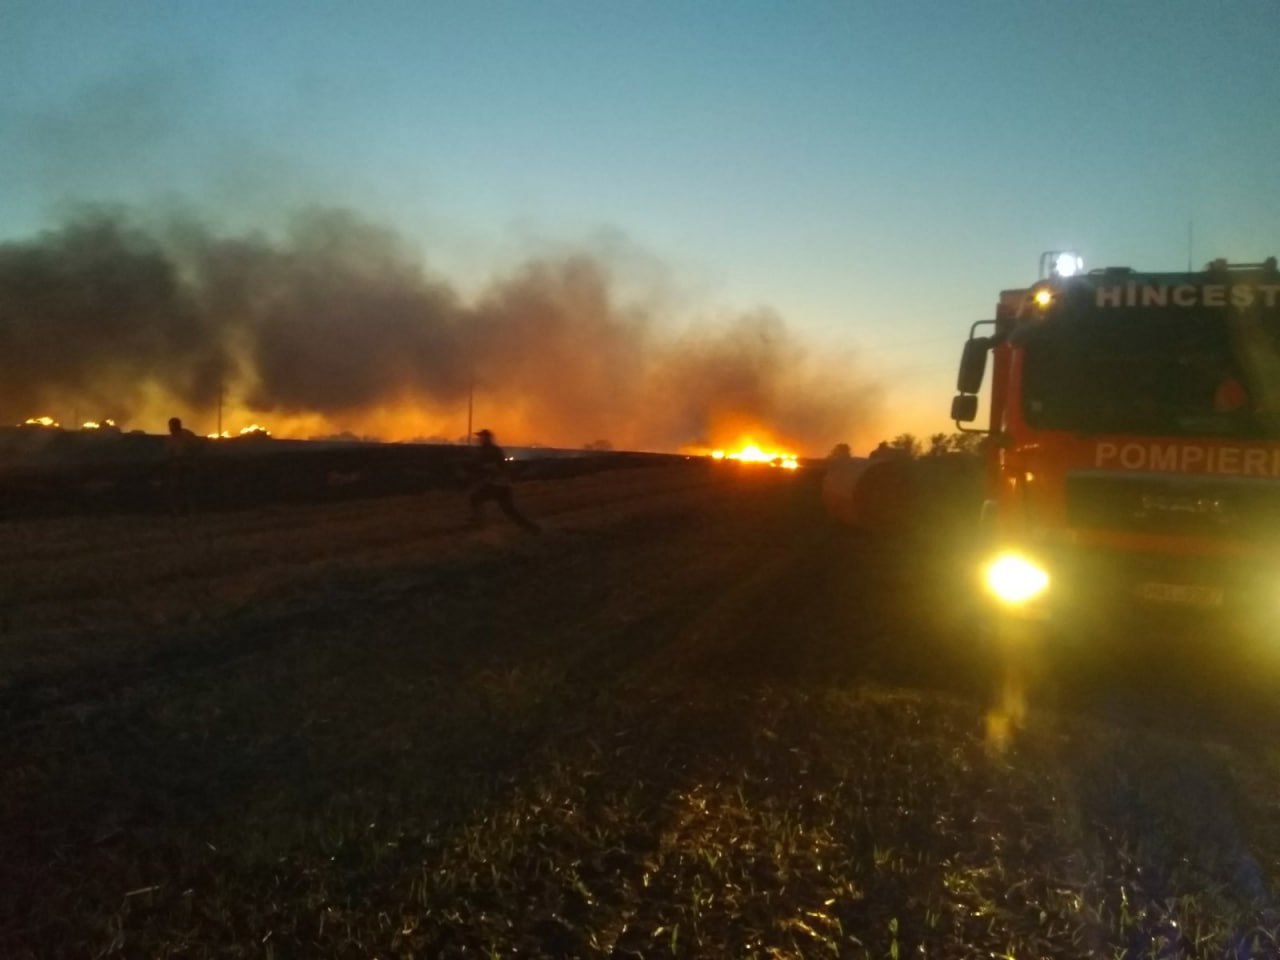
(692, 719)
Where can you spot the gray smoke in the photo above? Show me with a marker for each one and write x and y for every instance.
(337, 318)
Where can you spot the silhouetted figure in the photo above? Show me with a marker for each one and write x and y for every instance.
(180, 446)
(492, 482)
(1200, 383)
(1230, 395)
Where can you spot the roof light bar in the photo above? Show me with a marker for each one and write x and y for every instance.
(1060, 264)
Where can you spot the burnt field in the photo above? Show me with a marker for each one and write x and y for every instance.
(693, 718)
(52, 472)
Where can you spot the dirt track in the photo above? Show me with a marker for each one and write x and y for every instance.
(692, 718)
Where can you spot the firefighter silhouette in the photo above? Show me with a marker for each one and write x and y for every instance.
(492, 481)
(180, 446)
(1230, 395)
(1213, 384)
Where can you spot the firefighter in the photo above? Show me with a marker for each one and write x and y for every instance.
(1230, 395)
(492, 482)
(1218, 379)
(180, 446)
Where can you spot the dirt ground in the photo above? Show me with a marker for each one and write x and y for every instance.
(692, 718)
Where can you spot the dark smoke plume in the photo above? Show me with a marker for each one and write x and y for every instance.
(93, 311)
(337, 325)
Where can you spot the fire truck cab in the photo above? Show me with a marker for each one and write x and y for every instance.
(1132, 457)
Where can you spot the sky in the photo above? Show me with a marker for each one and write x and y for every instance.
(872, 173)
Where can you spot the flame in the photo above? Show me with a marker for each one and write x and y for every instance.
(252, 430)
(742, 438)
(41, 422)
(95, 425)
(751, 453)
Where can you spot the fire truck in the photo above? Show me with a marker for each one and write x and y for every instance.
(1132, 449)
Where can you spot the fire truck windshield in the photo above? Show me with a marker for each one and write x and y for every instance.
(1154, 371)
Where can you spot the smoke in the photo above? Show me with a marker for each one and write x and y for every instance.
(96, 312)
(336, 325)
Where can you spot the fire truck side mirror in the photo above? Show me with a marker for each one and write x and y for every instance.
(973, 365)
(964, 407)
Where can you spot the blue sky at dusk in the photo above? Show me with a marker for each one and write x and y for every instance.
(875, 172)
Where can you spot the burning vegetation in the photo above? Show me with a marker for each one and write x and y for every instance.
(753, 454)
(254, 430)
(334, 325)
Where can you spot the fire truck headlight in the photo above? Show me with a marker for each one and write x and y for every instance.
(1014, 579)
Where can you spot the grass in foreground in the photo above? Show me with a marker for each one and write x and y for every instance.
(778, 822)
(547, 754)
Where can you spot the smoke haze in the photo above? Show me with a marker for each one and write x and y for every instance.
(335, 325)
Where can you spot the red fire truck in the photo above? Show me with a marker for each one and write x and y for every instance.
(1133, 449)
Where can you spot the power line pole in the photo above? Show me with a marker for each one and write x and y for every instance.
(471, 397)
(471, 379)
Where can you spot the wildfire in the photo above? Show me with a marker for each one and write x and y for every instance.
(252, 430)
(41, 422)
(751, 453)
(95, 425)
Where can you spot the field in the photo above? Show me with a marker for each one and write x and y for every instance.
(693, 718)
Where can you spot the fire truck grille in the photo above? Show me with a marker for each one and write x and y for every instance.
(1226, 508)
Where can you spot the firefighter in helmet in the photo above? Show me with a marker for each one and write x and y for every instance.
(180, 446)
(492, 481)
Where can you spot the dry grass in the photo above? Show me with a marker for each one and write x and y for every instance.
(691, 720)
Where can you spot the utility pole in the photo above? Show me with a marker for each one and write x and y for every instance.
(471, 398)
(471, 378)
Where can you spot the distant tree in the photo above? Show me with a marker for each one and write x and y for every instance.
(966, 442)
(840, 451)
(907, 443)
(941, 444)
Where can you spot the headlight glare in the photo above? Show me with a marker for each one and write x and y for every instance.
(1014, 579)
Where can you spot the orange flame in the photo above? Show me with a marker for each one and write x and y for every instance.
(753, 454)
(742, 438)
(253, 429)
